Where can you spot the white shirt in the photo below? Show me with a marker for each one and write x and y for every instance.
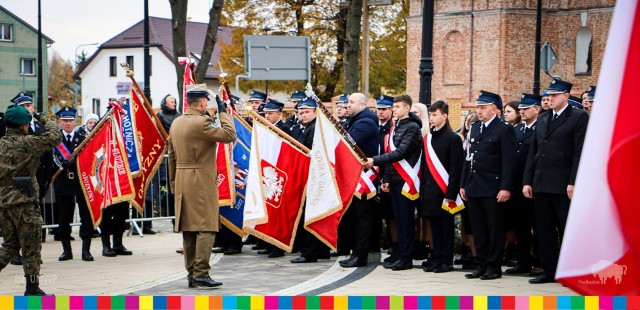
(560, 112)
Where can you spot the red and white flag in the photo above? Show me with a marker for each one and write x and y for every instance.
(275, 188)
(188, 77)
(105, 178)
(334, 174)
(600, 252)
(152, 146)
(226, 176)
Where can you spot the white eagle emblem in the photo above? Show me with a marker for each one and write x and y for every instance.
(273, 184)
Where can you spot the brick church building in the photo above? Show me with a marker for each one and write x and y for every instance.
(490, 45)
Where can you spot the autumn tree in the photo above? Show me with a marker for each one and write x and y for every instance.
(61, 83)
(179, 27)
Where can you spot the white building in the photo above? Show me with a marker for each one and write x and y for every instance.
(103, 80)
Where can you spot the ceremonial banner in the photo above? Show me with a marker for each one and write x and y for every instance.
(131, 143)
(104, 170)
(440, 175)
(334, 174)
(226, 188)
(231, 215)
(188, 78)
(600, 252)
(151, 148)
(275, 188)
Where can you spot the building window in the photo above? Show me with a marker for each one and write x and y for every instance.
(6, 32)
(113, 66)
(27, 66)
(130, 62)
(95, 102)
(583, 51)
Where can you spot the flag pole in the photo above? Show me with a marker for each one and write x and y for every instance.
(277, 130)
(147, 105)
(84, 142)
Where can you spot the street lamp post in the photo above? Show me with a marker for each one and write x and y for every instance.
(76, 87)
(426, 58)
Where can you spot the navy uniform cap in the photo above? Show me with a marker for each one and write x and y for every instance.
(297, 95)
(559, 87)
(273, 106)
(66, 113)
(256, 95)
(307, 103)
(576, 99)
(21, 98)
(343, 98)
(234, 99)
(574, 104)
(261, 109)
(384, 102)
(198, 91)
(487, 98)
(591, 93)
(529, 100)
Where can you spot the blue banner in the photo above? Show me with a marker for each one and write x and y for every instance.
(232, 216)
(130, 136)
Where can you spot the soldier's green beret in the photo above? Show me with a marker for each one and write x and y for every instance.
(17, 115)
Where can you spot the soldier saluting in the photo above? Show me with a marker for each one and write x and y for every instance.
(20, 218)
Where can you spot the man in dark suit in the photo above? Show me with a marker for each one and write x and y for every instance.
(311, 248)
(487, 181)
(296, 96)
(68, 190)
(529, 107)
(550, 173)
(383, 111)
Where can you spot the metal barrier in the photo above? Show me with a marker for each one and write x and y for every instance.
(158, 205)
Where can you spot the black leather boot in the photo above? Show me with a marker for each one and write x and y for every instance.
(17, 260)
(117, 245)
(106, 246)
(66, 251)
(86, 246)
(33, 286)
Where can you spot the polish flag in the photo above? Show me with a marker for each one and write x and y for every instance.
(333, 176)
(600, 252)
(275, 188)
(188, 76)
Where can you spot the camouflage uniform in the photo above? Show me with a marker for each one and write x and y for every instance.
(20, 217)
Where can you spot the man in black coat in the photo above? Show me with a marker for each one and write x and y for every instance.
(311, 248)
(363, 125)
(487, 181)
(403, 158)
(447, 147)
(551, 170)
(523, 218)
(383, 207)
(68, 190)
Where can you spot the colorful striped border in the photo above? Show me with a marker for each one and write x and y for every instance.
(321, 302)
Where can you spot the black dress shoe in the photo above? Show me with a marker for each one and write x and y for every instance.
(263, 252)
(428, 263)
(490, 275)
(205, 283)
(356, 262)
(474, 275)
(275, 254)
(442, 269)
(232, 251)
(390, 265)
(536, 271)
(390, 259)
(348, 259)
(218, 250)
(258, 247)
(148, 231)
(518, 269)
(543, 278)
(302, 260)
(402, 265)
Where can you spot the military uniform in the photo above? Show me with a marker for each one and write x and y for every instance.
(20, 218)
(489, 168)
(68, 193)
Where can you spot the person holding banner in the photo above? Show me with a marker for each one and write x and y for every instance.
(68, 190)
(192, 172)
(403, 157)
(20, 218)
(487, 180)
(444, 156)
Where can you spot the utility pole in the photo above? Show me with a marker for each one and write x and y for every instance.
(147, 64)
(536, 67)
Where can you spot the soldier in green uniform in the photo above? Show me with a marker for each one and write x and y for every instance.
(20, 217)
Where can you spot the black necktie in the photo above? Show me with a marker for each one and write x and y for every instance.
(69, 138)
(555, 116)
(482, 127)
(301, 136)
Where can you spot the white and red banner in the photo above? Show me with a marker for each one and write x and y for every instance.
(226, 187)
(152, 146)
(600, 252)
(275, 188)
(441, 176)
(188, 77)
(334, 174)
(105, 178)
